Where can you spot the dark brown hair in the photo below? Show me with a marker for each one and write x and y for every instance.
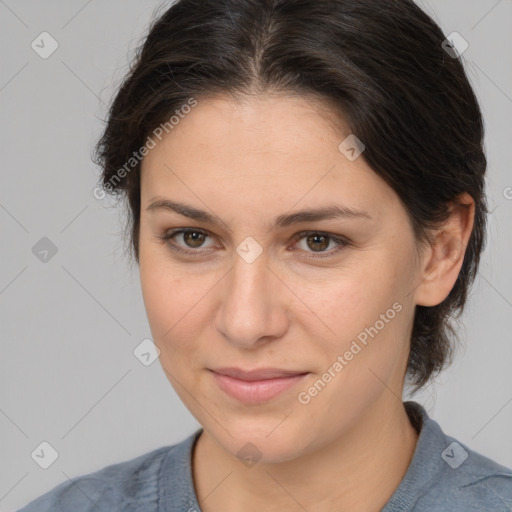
(380, 63)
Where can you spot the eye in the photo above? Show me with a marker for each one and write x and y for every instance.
(319, 241)
(192, 236)
(194, 239)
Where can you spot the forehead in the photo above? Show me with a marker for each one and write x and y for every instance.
(276, 149)
(261, 124)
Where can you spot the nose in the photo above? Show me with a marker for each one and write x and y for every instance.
(252, 304)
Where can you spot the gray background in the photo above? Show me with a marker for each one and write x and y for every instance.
(69, 325)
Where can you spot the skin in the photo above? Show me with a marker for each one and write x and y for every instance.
(247, 162)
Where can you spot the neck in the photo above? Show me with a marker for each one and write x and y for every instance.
(359, 470)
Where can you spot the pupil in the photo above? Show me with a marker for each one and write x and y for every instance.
(313, 237)
(195, 235)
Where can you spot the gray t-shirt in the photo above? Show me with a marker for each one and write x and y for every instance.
(443, 475)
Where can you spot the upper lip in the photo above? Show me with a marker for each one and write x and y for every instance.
(257, 374)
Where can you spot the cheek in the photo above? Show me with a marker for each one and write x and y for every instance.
(169, 303)
(165, 295)
(177, 305)
(355, 298)
(368, 319)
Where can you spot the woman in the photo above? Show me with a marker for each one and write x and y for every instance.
(305, 181)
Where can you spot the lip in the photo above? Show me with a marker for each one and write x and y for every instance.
(256, 386)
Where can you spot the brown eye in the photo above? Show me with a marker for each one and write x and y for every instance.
(318, 242)
(193, 239)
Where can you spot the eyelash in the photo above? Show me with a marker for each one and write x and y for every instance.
(299, 236)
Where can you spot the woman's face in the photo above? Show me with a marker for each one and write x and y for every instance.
(334, 305)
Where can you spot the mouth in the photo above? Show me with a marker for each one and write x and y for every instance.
(256, 386)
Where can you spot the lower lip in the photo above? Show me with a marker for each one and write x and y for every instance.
(257, 391)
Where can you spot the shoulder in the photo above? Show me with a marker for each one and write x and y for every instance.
(445, 474)
(129, 485)
(461, 479)
(470, 481)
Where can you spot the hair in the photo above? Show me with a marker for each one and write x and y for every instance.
(380, 64)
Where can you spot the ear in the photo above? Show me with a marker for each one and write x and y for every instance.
(442, 260)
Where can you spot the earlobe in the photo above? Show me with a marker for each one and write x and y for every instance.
(444, 258)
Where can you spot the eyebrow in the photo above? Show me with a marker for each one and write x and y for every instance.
(333, 211)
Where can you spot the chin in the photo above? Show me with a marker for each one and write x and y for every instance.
(265, 441)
